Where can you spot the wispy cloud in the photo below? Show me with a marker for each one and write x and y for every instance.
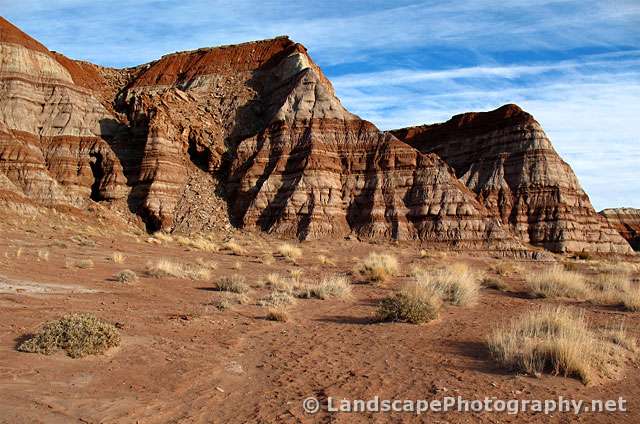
(573, 64)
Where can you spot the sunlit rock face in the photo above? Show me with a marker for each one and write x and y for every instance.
(253, 136)
(507, 160)
(627, 222)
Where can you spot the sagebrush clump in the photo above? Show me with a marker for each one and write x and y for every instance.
(77, 334)
(234, 284)
(414, 304)
(126, 276)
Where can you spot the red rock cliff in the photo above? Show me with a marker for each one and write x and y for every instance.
(254, 135)
(506, 159)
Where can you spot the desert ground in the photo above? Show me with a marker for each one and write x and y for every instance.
(191, 353)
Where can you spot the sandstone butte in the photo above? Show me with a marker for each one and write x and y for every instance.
(627, 222)
(253, 136)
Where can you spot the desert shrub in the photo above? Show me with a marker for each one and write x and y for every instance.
(335, 286)
(206, 263)
(557, 282)
(126, 276)
(414, 304)
(583, 256)
(290, 252)
(43, 255)
(77, 334)
(234, 284)
(494, 283)
(457, 284)
(279, 283)
(555, 340)
(80, 263)
(198, 243)
(227, 299)
(221, 304)
(377, 268)
(235, 248)
(619, 336)
(117, 257)
(267, 259)
(610, 282)
(276, 299)
(278, 314)
(164, 268)
(83, 241)
(296, 274)
(631, 299)
(165, 237)
(324, 260)
(506, 268)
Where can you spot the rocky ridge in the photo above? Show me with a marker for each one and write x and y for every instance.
(507, 160)
(627, 222)
(253, 135)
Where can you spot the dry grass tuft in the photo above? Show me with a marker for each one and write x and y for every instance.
(457, 284)
(164, 268)
(555, 340)
(557, 282)
(506, 268)
(324, 260)
(207, 263)
(78, 335)
(165, 237)
(221, 304)
(631, 300)
(296, 274)
(282, 284)
(290, 252)
(414, 304)
(117, 257)
(619, 336)
(335, 286)
(277, 299)
(234, 284)
(235, 248)
(279, 314)
(198, 243)
(83, 241)
(495, 284)
(267, 259)
(43, 255)
(80, 263)
(126, 276)
(377, 268)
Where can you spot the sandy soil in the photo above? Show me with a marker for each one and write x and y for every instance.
(181, 360)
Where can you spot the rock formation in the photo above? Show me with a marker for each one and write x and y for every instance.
(253, 135)
(506, 159)
(627, 222)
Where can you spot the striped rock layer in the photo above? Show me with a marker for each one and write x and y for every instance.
(252, 135)
(507, 160)
(627, 222)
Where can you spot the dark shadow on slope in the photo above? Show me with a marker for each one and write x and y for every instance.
(360, 210)
(294, 168)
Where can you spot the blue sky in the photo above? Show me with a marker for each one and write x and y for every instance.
(575, 65)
